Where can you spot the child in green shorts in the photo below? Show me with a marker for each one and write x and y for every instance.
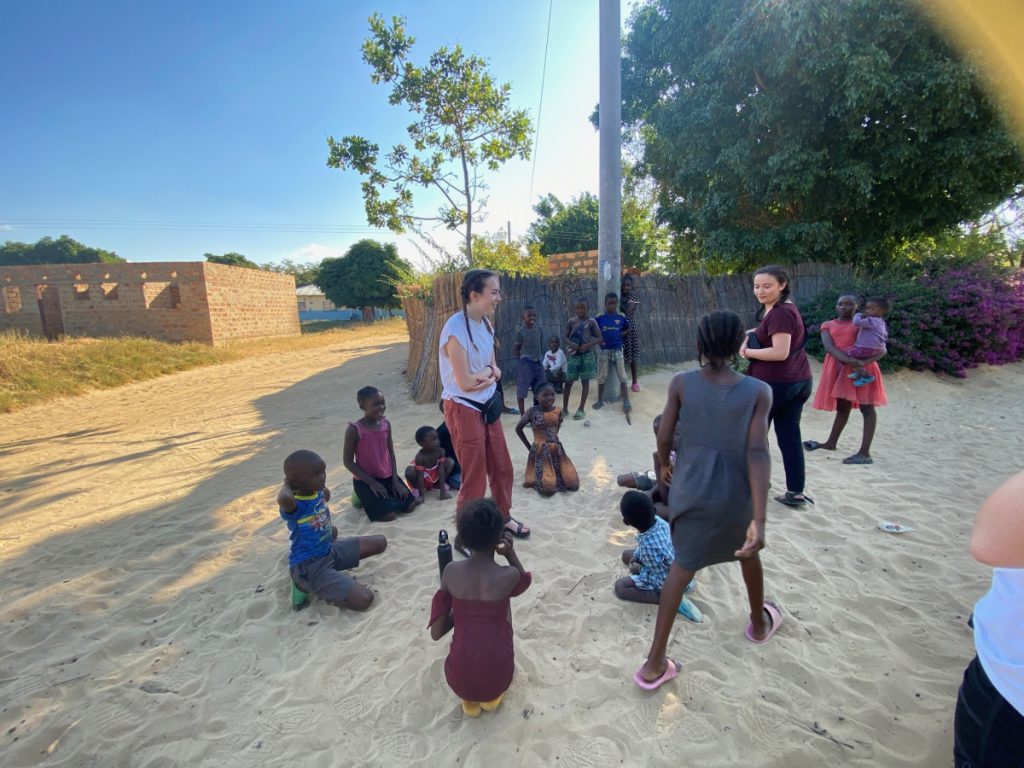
(583, 335)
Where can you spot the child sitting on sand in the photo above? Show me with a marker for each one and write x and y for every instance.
(474, 599)
(430, 467)
(369, 455)
(318, 558)
(548, 469)
(444, 439)
(653, 556)
(871, 337)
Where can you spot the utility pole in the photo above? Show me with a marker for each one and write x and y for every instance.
(609, 239)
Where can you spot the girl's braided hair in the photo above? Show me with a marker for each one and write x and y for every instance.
(719, 337)
(475, 281)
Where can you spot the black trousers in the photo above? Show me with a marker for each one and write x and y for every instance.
(987, 731)
(376, 506)
(788, 400)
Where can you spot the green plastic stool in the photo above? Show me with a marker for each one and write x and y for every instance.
(300, 599)
(355, 501)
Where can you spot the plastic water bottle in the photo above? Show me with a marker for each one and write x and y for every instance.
(444, 551)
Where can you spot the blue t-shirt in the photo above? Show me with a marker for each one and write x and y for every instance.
(612, 327)
(310, 528)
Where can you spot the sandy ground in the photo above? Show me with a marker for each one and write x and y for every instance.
(145, 615)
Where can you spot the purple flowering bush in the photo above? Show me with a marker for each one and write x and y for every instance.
(946, 319)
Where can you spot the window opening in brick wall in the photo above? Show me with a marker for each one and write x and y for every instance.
(161, 295)
(81, 291)
(12, 299)
(110, 291)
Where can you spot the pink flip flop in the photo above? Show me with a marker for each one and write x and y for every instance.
(776, 615)
(671, 671)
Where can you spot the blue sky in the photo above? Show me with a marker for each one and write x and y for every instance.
(165, 130)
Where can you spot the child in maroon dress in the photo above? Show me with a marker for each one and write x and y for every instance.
(474, 599)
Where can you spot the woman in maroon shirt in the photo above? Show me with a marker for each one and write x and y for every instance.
(775, 350)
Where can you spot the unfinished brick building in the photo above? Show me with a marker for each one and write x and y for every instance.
(173, 301)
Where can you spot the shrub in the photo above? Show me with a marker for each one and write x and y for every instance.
(946, 319)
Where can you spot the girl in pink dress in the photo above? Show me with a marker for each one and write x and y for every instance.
(836, 390)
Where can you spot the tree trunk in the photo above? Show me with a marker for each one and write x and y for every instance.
(368, 314)
(469, 206)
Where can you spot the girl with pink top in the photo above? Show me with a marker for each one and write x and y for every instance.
(370, 456)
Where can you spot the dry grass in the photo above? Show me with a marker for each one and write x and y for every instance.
(33, 371)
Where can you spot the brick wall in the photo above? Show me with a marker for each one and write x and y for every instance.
(250, 302)
(581, 262)
(163, 300)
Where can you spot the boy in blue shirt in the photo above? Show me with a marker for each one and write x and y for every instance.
(650, 562)
(612, 326)
(318, 559)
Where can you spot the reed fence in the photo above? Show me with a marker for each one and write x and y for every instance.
(667, 317)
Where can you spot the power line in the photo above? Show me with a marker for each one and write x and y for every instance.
(540, 105)
(197, 226)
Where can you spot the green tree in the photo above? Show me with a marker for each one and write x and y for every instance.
(464, 126)
(63, 250)
(366, 276)
(567, 228)
(809, 130)
(231, 259)
(493, 251)
(304, 274)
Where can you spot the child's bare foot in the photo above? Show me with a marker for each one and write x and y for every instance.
(445, 494)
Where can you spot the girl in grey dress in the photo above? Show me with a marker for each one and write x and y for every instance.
(719, 486)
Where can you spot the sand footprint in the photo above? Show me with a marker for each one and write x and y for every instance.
(593, 752)
(765, 726)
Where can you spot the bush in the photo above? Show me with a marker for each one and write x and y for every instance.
(947, 319)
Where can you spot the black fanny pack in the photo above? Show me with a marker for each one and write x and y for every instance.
(490, 410)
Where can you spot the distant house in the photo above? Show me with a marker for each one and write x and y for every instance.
(313, 305)
(312, 299)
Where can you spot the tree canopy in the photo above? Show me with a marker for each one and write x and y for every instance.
(63, 250)
(809, 130)
(570, 227)
(464, 126)
(304, 274)
(493, 251)
(231, 259)
(366, 276)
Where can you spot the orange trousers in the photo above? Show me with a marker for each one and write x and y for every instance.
(483, 455)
